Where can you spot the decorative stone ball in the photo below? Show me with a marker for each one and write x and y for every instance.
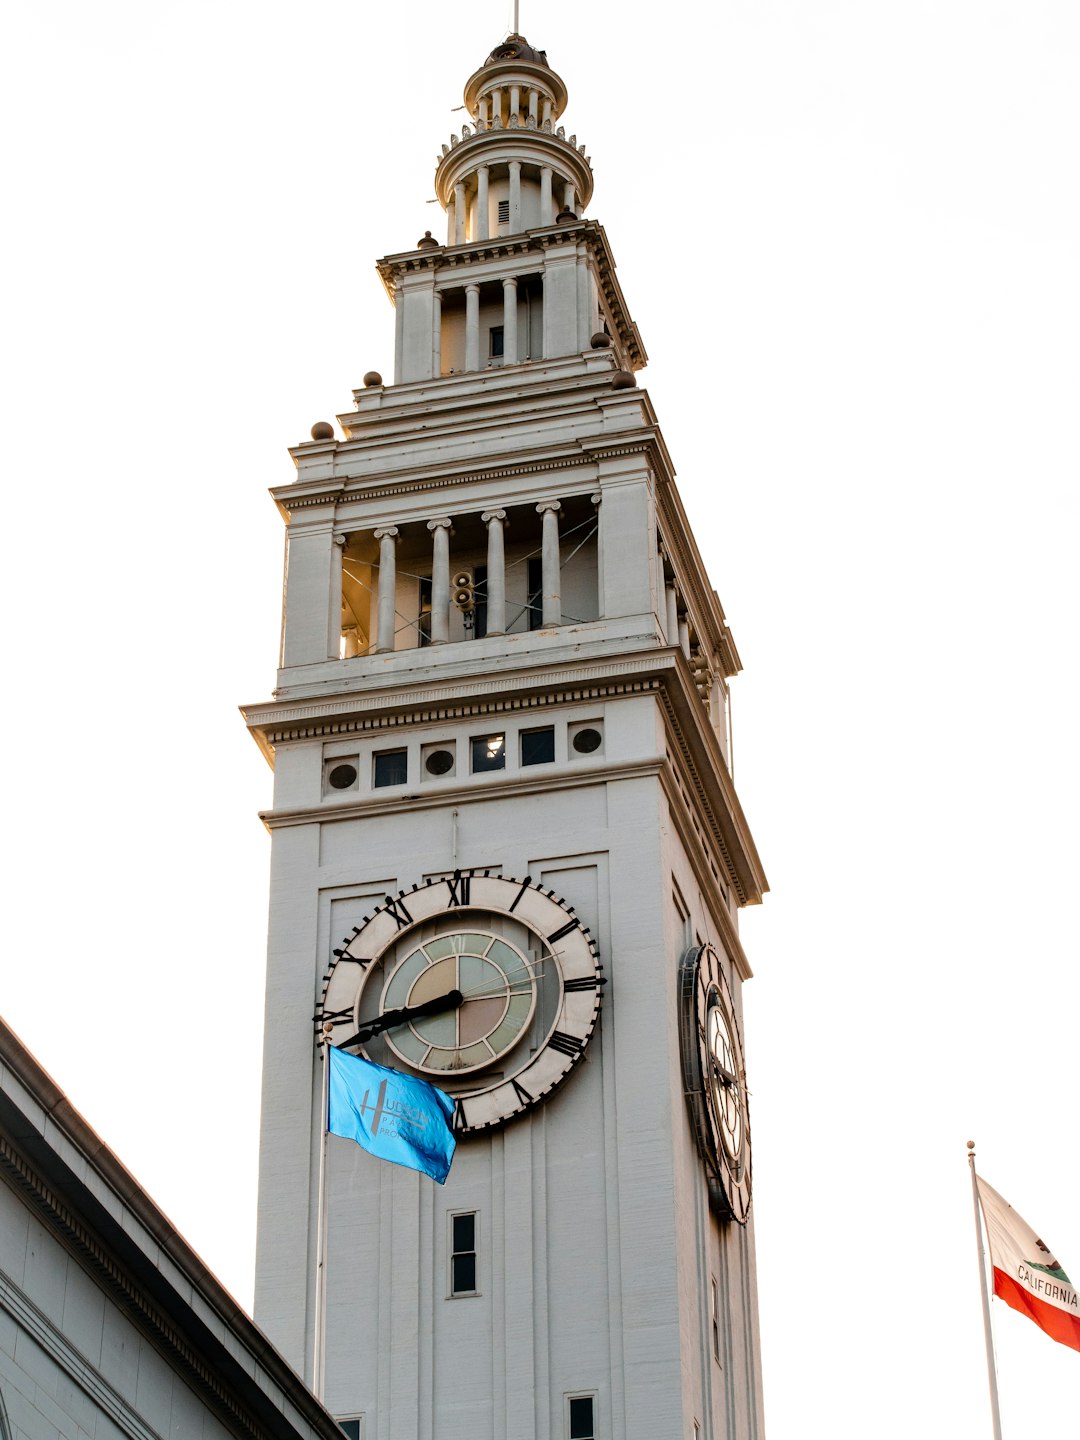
(322, 430)
(624, 380)
(372, 378)
(426, 242)
(601, 340)
(565, 217)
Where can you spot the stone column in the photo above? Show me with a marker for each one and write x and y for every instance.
(569, 197)
(482, 223)
(550, 579)
(460, 213)
(546, 217)
(546, 117)
(515, 101)
(484, 107)
(496, 572)
(534, 103)
(440, 579)
(496, 104)
(451, 222)
(515, 195)
(472, 326)
(387, 538)
(672, 625)
(684, 635)
(333, 634)
(510, 336)
(436, 335)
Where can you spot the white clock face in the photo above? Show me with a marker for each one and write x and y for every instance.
(714, 1079)
(487, 986)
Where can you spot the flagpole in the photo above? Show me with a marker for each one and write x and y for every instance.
(987, 1330)
(318, 1359)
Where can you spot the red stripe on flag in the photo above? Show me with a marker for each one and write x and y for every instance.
(1058, 1324)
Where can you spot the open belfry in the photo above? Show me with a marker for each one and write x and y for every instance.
(503, 798)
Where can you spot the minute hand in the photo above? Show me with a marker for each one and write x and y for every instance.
(386, 1021)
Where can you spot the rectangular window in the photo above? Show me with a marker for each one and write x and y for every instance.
(423, 624)
(353, 1427)
(488, 752)
(391, 767)
(538, 746)
(504, 212)
(479, 601)
(496, 342)
(536, 586)
(463, 1254)
(582, 1417)
(714, 1319)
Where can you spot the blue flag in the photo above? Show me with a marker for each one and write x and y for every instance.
(391, 1115)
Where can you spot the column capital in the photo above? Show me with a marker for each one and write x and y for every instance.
(546, 505)
(441, 522)
(509, 282)
(386, 530)
(341, 540)
(488, 515)
(596, 499)
(472, 288)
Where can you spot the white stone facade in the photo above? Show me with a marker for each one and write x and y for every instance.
(544, 483)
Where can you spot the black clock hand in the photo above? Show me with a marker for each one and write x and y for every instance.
(450, 1001)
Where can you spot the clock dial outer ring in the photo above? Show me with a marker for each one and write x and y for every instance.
(569, 948)
(703, 983)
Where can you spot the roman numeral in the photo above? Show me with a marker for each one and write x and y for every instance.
(522, 1094)
(518, 897)
(584, 982)
(457, 1124)
(335, 1016)
(360, 960)
(566, 1044)
(563, 930)
(459, 886)
(398, 910)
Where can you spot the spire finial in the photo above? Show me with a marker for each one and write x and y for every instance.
(517, 20)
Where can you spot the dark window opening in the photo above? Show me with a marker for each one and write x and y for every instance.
(343, 777)
(463, 1254)
(504, 212)
(496, 342)
(479, 601)
(488, 752)
(538, 746)
(391, 767)
(351, 1428)
(440, 762)
(536, 587)
(423, 623)
(586, 741)
(582, 1422)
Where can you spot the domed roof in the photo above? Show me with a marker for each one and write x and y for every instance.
(516, 47)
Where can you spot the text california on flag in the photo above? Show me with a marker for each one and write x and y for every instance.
(393, 1116)
(1027, 1276)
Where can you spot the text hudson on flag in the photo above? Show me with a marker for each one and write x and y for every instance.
(1026, 1274)
(391, 1115)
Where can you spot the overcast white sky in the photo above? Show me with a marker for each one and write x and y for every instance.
(849, 235)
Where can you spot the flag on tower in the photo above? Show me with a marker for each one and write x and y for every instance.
(1026, 1274)
(393, 1116)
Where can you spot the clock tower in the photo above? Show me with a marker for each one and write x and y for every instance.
(503, 804)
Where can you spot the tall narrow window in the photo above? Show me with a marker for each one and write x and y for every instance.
(496, 342)
(463, 1254)
(581, 1413)
(423, 624)
(714, 1318)
(536, 596)
(480, 599)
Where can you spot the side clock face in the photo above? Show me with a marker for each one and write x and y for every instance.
(486, 986)
(714, 1078)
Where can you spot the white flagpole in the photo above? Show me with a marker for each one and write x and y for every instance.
(990, 1366)
(318, 1358)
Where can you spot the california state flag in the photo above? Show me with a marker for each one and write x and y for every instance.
(1026, 1275)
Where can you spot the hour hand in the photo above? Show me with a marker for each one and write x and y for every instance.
(390, 1018)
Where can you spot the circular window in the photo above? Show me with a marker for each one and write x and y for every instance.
(439, 762)
(586, 741)
(342, 777)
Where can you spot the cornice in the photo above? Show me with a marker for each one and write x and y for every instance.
(333, 717)
(301, 496)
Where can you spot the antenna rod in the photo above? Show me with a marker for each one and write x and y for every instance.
(517, 21)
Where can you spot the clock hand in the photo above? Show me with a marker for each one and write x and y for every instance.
(390, 1018)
